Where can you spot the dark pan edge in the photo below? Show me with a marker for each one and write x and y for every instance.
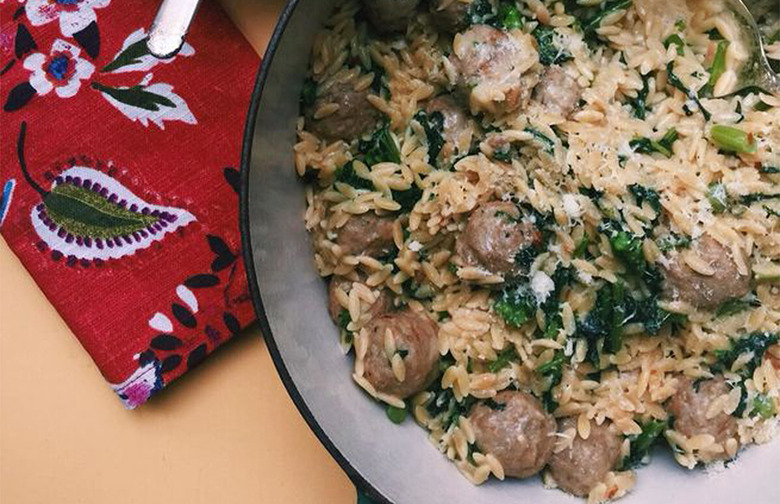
(249, 265)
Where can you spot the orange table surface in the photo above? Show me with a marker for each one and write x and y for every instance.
(225, 433)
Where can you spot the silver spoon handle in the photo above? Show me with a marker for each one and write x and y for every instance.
(170, 26)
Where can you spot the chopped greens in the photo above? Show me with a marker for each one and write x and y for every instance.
(663, 145)
(763, 406)
(433, 125)
(344, 319)
(549, 52)
(749, 199)
(769, 169)
(444, 402)
(480, 12)
(553, 371)
(755, 344)
(654, 318)
(308, 93)
(642, 194)
(509, 16)
(626, 246)
(674, 242)
(547, 143)
(395, 414)
(503, 359)
(582, 247)
(590, 26)
(675, 81)
(734, 306)
(717, 68)
(639, 104)
(677, 41)
(346, 175)
(731, 139)
(718, 198)
(380, 148)
(642, 443)
(492, 404)
(407, 198)
(516, 305)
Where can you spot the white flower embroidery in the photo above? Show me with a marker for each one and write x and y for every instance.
(62, 70)
(74, 15)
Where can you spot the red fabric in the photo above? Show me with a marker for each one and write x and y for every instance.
(152, 284)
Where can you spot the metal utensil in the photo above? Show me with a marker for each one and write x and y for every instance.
(170, 26)
(758, 71)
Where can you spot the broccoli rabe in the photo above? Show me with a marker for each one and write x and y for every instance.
(516, 304)
(380, 148)
(755, 344)
(346, 175)
(641, 444)
(433, 125)
(549, 51)
(663, 145)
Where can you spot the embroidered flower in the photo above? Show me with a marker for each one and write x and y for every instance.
(142, 384)
(62, 70)
(74, 15)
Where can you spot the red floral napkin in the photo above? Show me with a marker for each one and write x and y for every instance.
(119, 186)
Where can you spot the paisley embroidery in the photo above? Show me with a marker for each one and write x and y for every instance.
(142, 384)
(88, 215)
(6, 196)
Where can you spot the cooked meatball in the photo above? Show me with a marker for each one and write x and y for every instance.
(519, 433)
(579, 468)
(458, 126)
(495, 68)
(390, 15)
(702, 291)
(366, 234)
(494, 234)
(689, 407)
(381, 305)
(557, 91)
(354, 117)
(416, 341)
(449, 15)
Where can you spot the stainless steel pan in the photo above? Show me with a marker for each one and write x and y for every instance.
(394, 464)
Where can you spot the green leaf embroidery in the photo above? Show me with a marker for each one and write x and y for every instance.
(135, 96)
(130, 56)
(85, 213)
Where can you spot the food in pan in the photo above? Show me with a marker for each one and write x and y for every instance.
(550, 229)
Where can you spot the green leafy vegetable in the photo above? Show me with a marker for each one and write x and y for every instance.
(433, 125)
(380, 148)
(492, 404)
(516, 305)
(654, 318)
(590, 26)
(769, 169)
(582, 247)
(763, 406)
(308, 93)
(642, 194)
(749, 199)
(639, 104)
(734, 306)
(675, 81)
(549, 52)
(642, 443)
(662, 146)
(503, 359)
(509, 16)
(731, 139)
(346, 174)
(717, 68)
(718, 197)
(444, 402)
(547, 143)
(344, 319)
(396, 415)
(677, 41)
(755, 343)
(480, 12)
(407, 198)
(674, 242)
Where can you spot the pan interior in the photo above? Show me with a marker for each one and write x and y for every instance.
(397, 461)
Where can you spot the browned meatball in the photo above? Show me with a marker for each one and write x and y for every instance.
(449, 15)
(702, 291)
(518, 432)
(366, 234)
(689, 407)
(354, 117)
(390, 15)
(494, 234)
(579, 468)
(495, 68)
(416, 340)
(557, 92)
(381, 305)
(458, 126)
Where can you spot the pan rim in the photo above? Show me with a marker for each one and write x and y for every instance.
(246, 245)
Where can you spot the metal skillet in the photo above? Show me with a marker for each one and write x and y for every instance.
(393, 464)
